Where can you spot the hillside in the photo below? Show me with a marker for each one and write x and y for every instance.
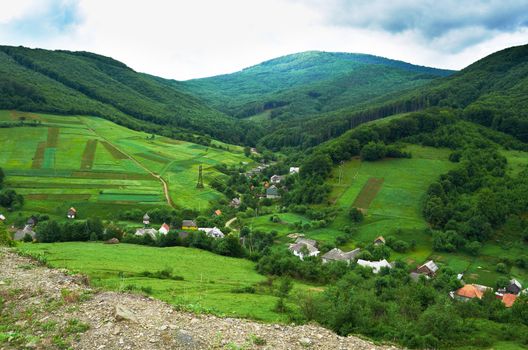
(68, 83)
(100, 167)
(308, 83)
(44, 308)
(491, 92)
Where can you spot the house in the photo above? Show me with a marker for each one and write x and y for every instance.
(189, 225)
(72, 213)
(2, 217)
(31, 221)
(294, 170)
(508, 299)
(303, 249)
(146, 231)
(376, 266)
(27, 230)
(272, 192)
(379, 240)
(471, 291)
(214, 232)
(306, 241)
(146, 219)
(428, 269)
(514, 287)
(164, 229)
(253, 150)
(218, 212)
(235, 203)
(275, 179)
(337, 254)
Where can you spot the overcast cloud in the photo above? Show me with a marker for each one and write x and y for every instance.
(188, 39)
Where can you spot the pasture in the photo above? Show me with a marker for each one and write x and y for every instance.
(208, 283)
(93, 164)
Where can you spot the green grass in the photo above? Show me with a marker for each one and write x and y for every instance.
(108, 163)
(208, 279)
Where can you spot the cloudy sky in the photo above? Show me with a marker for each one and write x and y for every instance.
(185, 39)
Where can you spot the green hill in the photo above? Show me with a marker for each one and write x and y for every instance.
(69, 83)
(492, 92)
(309, 83)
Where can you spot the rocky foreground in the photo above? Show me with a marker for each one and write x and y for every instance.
(44, 308)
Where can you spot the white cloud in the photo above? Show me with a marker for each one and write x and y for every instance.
(186, 39)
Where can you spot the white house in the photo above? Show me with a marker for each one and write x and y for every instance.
(2, 217)
(214, 232)
(337, 254)
(294, 170)
(303, 249)
(146, 231)
(275, 179)
(374, 265)
(164, 229)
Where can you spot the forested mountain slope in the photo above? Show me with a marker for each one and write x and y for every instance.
(308, 83)
(492, 92)
(85, 83)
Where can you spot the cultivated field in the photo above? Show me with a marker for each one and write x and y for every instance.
(98, 166)
(208, 284)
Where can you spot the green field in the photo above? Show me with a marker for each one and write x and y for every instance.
(208, 279)
(94, 165)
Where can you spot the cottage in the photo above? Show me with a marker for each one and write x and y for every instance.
(146, 219)
(275, 179)
(21, 234)
(471, 291)
(164, 229)
(146, 231)
(379, 240)
(253, 150)
(272, 192)
(218, 212)
(294, 170)
(189, 225)
(72, 213)
(337, 254)
(214, 232)
(235, 203)
(303, 249)
(376, 266)
(514, 287)
(428, 269)
(306, 241)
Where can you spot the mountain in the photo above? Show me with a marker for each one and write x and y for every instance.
(491, 91)
(309, 83)
(85, 83)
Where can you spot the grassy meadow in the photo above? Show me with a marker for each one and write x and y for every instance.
(208, 284)
(97, 166)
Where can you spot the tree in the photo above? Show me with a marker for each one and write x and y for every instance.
(48, 232)
(355, 214)
(373, 151)
(2, 176)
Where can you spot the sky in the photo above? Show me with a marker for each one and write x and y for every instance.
(185, 39)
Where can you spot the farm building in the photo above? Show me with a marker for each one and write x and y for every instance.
(272, 192)
(214, 232)
(337, 254)
(515, 287)
(379, 240)
(294, 170)
(189, 225)
(376, 266)
(508, 299)
(428, 269)
(276, 179)
(146, 219)
(303, 249)
(27, 230)
(164, 229)
(72, 213)
(146, 231)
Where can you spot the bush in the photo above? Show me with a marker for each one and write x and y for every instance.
(355, 215)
